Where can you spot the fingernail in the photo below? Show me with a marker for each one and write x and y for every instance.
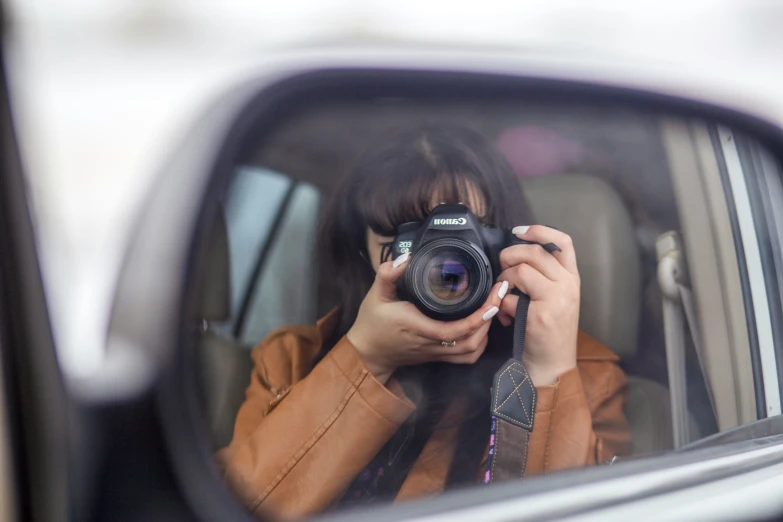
(519, 231)
(503, 289)
(400, 260)
(489, 314)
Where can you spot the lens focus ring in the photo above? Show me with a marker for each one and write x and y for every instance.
(448, 279)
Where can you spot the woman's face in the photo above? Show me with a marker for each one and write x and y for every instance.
(375, 242)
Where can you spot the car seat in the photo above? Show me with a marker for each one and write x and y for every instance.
(591, 212)
(224, 362)
(282, 293)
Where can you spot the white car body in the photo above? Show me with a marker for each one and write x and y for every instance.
(102, 93)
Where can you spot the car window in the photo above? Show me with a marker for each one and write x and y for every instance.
(252, 206)
(670, 332)
(271, 223)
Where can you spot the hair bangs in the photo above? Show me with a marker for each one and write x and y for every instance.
(389, 202)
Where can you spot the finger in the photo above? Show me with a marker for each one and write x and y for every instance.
(509, 307)
(464, 345)
(468, 358)
(503, 317)
(543, 235)
(387, 276)
(470, 354)
(483, 315)
(534, 256)
(528, 280)
(450, 330)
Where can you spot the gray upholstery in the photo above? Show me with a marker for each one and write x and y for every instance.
(226, 368)
(225, 364)
(216, 284)
(648, 411)
(591, 212)
(284, 295)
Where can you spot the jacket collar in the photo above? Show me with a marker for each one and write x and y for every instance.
(328, 323)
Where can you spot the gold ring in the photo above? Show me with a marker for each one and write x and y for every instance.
(447, 344)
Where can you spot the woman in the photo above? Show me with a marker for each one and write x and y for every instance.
(373, 403)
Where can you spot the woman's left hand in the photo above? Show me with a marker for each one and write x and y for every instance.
(552, 282)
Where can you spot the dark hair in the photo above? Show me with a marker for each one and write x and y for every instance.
(393, 183)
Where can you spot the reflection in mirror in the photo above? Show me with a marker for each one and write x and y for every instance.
(373, 259)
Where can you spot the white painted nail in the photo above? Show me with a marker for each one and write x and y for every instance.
(519, 231)
(489, 314)
(503, 289)
(400, 260)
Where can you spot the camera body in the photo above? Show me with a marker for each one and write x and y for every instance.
(454, 261)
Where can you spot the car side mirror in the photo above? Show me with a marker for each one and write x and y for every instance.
(719, 166)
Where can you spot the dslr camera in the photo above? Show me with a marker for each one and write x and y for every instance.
(454, 261)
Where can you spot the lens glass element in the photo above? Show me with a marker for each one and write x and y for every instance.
(448, 277)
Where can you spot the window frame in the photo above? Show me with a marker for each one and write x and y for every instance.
(753, 272)
(714, 270)
(253, 111)
(762, 176)
(35, 468)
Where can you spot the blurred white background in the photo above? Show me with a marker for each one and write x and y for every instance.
(102, 89)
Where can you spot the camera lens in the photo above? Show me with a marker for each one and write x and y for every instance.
(448, 278)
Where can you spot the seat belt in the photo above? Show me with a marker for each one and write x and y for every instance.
(679, 312)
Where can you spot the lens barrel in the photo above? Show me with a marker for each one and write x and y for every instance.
(448, 279)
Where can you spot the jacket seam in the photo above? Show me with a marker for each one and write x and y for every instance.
(577, 388)
(319, 432)
(299, 332)
(369, 375)
(287, 388)
(593, 403)
(598, 358)
(555, 403)
(603, 394)
(258, 353)
(599, 449)
(263, 374)
(372, 407)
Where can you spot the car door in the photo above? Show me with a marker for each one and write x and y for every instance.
(69, 450)
(35, 468)
(91, 454)
(123, 447)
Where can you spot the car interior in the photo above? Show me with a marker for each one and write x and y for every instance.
(615, 178)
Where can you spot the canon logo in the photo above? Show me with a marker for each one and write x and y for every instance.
(459, 221)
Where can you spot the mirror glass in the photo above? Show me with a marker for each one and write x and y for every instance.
(372, 259)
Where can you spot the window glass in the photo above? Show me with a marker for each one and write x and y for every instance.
(343, 380)
(252, 205)
(272, 225)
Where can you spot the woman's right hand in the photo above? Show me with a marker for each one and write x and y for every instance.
(389, 333)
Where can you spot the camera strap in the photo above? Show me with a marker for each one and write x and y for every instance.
(513, 409)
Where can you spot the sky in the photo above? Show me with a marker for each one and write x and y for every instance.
(101, 91)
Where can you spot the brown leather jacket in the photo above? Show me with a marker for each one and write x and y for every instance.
(303, 433)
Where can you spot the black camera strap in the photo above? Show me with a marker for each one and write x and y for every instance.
(513, 409)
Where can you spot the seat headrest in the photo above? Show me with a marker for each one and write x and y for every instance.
(215, 302)
(592, 213)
